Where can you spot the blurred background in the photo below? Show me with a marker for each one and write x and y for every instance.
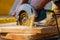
(5, 6)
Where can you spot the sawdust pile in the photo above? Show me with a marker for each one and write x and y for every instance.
(52, 22)
(30, 20)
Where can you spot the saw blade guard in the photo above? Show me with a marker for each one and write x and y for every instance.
(25, 15)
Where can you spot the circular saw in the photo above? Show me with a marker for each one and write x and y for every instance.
(25, 15)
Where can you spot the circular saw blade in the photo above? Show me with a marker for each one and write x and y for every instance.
(25, 15)
(24, 19)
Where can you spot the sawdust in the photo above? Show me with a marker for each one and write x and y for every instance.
(30, 21)
(52, 21)
(56, 8)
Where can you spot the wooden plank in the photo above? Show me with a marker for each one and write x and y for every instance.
(23, 30)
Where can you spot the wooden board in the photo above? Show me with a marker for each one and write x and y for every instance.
(25, 30)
